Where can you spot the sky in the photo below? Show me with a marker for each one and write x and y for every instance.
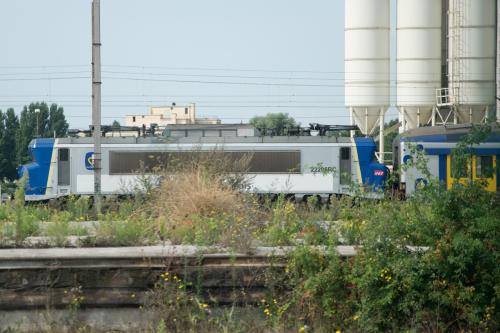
(235, 59)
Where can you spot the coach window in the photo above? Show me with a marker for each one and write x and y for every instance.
(460, 168)
(484, 166)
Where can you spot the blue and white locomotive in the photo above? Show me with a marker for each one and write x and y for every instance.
(298, 165)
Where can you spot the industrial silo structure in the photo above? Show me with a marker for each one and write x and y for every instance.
(367, 62)
(471, 58)
(418, 60)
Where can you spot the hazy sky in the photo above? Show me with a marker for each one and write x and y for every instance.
(233, 58)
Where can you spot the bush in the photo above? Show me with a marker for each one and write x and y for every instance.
(200, 202)
(453, 285)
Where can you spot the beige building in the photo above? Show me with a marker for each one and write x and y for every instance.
(169, 115)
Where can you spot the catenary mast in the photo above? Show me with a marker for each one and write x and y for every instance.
(96, 100)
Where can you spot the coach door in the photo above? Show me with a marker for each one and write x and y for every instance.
(484, 169)
(63, 169)
(481, 167)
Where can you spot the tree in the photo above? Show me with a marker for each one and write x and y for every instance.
(277, 122)
(57, 121)
(115, 125)
(38, 124)
(9, 127)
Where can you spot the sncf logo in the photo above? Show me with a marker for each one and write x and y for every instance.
(378, 172)
(89, 160)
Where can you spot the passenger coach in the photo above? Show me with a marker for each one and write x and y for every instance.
(437, 144)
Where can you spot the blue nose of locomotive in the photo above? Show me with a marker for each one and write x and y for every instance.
(38, 169)
(378, 176)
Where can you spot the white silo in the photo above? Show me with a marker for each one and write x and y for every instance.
(418, 60)
(471, 58)
(367, 53)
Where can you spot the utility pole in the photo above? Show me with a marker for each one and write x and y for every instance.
(37, 112)
(96, 99)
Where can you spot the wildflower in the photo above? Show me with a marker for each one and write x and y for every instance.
(203, 305)
(132, 296)
(356, 317)
(338, 331)
(267, 312)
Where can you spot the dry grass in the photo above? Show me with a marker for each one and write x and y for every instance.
(200, 200)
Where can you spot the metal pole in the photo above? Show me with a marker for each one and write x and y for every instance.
(381, 136)
(96, 100)
(498, 63)
(37, 111)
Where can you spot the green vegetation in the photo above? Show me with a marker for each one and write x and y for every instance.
(426, 264)
(36, 119)
(273, 123)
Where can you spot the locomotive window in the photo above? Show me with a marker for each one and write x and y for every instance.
(259, 161)
(484, 166)
(63, 154)
(345, 165)
(345, 153)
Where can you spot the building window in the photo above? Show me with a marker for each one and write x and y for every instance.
(133, 119)
(186, 111)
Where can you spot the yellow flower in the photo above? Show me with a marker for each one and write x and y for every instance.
(203, 305)
(356, 317)
(133, 295)
(302, 329)
(338, 331)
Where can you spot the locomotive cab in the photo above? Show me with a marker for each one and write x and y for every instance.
(37, 171)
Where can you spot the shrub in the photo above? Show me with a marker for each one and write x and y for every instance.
(453, 285)
(200, 202)
(322, 297)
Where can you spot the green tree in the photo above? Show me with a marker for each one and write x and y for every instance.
(57, 121)
(276, 123)
(9, 126)
(38, 120)
(115, 125)
(2, 152)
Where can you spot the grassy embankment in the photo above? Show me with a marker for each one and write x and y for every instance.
(453, 286)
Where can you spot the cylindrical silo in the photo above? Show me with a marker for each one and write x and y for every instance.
(418, 60)
(367, 53)
(472, 54)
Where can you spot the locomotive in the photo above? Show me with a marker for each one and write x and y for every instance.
(312, 162)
